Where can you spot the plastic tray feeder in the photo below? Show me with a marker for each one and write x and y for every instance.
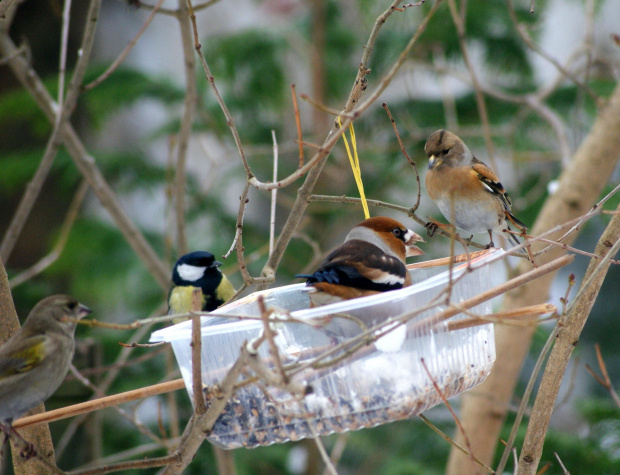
(384, 380)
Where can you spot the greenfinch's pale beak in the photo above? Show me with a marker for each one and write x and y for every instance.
(83, 310)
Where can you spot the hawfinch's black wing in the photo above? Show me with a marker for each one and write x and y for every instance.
(361, 265)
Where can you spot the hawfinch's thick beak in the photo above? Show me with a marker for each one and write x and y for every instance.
(410, 239)
(433, 161)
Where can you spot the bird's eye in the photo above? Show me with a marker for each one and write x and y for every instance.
(398, 233)
(445, 152)
(72, 305)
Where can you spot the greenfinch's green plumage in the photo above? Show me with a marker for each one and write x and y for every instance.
(35, 361)
(198, 269)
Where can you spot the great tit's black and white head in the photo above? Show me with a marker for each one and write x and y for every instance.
(198, 269)
(191, 268)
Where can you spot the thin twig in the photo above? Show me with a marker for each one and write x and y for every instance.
(459, 23)
(64, 40)
(605, 381)
(404, 152)
(449, 407)
(63, 237)
(525, 37)
(452, 442)
(564, 471)
(298, 124)
(274, 192)
(528, 314)
(121, 57)
(128, 465)
(185, 130)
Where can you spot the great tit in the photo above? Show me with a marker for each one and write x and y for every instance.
(198, 269)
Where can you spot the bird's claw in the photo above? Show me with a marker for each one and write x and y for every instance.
(431, 228)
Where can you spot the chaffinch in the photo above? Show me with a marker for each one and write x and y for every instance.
(371, 260)
(464, 187)
(198, 269)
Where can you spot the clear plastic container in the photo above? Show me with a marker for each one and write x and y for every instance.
(370, 381)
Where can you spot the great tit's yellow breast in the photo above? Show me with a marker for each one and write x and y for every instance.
(225, 290)
(180, 300)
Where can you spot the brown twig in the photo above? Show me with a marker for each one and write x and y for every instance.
(449, 407)
(564, 471)
(527, 40)
(274, 192)
(196, 344)
(604, 381)
(63, 237)
(453, 442)
(383, 204)
(237, 244)
(99, 403)
(404, 152)
(121, 57)
(444, 261)
(495, 291)
(269, 336)
(189, 107)
(528, 314)
(459, 23)
(128, 465)
(298, 124)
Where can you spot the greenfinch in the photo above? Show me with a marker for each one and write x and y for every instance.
(35, 361)
(198, 269)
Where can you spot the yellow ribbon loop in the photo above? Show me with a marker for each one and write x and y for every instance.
(355, 165)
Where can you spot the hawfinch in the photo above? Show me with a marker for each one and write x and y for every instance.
(198, 269)
(371, 260)
(464, 187)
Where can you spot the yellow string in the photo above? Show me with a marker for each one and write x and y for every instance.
(355, 166)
